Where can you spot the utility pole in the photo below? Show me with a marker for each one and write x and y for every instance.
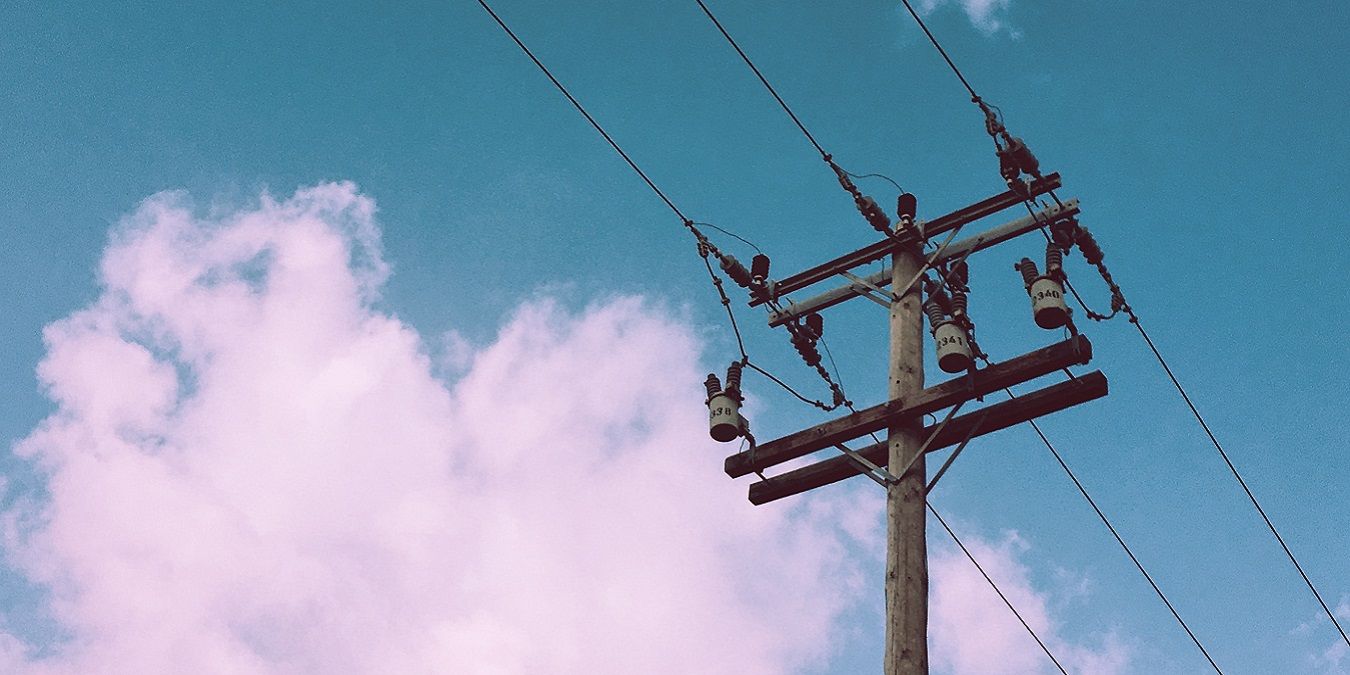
(906, 548)
(898, 464)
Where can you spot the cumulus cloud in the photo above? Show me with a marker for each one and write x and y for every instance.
(1329, 657)
(986, 15)
(972, 631)
(253, 469)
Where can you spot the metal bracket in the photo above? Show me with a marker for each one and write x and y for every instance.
(974, 429)
(936, 430)
(869, 290)
(883, 477)
(928, 264)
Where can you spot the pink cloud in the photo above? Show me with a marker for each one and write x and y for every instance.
(972, 631)
(983, 14)
(252, 469)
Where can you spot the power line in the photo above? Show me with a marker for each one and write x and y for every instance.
(764, 80)
(1107, 522)
(828, 159)
(577, 104)
(1119, 304)
(943, 52)
(705, 246)
(1001, 596)
(1134, 319)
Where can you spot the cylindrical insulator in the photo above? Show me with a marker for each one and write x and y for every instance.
(1025, 159)
(1091, 251)
(712, 385)
(959, 303)
(736, 270)
(936, 294)
(759, 268)
(1054, 260)
(953, 347)
(1028, 270)
(907, 206)
(934, 312)
(724, 417)
(874, 215)
(734, 377)
(1047, 303)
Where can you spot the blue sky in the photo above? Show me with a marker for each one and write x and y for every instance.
(1206, 141)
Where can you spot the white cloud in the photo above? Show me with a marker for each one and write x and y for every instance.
(972, 631)
(252, 470)
(986, 15)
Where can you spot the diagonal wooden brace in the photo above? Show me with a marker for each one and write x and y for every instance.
(989, 419)
(1074, 351)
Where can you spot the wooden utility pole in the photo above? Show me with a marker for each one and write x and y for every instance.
(898, 464)
(906, 548)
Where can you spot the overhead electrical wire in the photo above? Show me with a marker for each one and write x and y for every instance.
(1120, 540)
(705, 245)
(1229, 462)
(975, 98)
(829, 159)
(717, 282)
(1119, 304)
(764, 80)
(987, 578)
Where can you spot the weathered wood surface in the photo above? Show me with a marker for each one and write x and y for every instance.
(1074, 351)
(931, 228)
(906, 539)
(995, 417)
(954, 251)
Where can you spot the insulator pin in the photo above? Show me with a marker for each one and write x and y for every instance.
(1092, 252)
(953, 347)
(759, 269)
(1054, 261)
(934, 311)
(736, 271)
(907, 207)
(1028, 269)
(960, 275)
(712, 385)
(1063, 232)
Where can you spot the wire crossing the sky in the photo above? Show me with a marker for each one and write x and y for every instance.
(1119, 304)
(705, 246)
(577, 104)
(1107, 522)
(1229, 462)
(973, 96)
(764, 80)
(1001, 596)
